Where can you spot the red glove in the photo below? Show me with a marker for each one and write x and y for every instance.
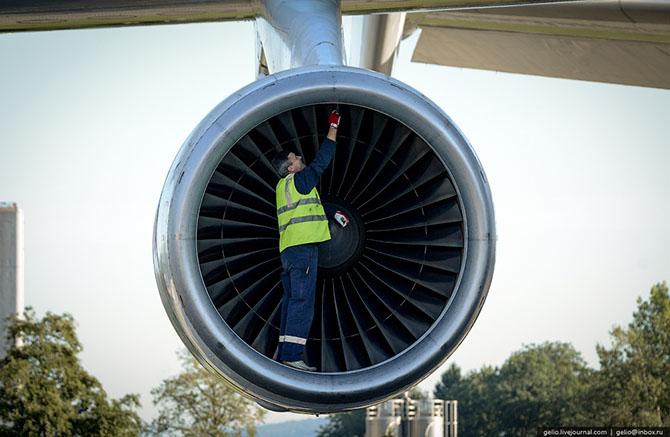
(334, 119)
(341, 219)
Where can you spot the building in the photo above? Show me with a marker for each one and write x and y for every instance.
(11, 267)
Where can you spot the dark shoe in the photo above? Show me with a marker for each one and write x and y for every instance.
(300, 365)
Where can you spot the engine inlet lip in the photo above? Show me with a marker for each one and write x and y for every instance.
(178, 274)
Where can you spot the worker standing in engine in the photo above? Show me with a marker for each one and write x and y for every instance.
(303, 224)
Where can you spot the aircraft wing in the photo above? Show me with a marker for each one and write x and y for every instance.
(613, 41)
(40, 15)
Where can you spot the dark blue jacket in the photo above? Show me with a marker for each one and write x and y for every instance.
(308, 178)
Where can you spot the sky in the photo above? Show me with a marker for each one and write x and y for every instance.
(90, 121)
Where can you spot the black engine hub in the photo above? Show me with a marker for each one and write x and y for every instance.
(346, 245)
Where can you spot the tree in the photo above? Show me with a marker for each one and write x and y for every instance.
(197, 403)
(44, 390)
(475, 392)
(536, 386)
(633, 384)
(540, 385)
(448, 382)
(350, 424)
(550, 385)
(416, 393)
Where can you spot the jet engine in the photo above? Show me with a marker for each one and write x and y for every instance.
(398, 289)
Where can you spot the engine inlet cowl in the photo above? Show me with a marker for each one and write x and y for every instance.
(397, 290)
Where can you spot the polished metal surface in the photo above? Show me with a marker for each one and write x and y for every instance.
(385, 419)
(300, 33)
(42, 15)
(178, 271)
(425, 417)
(378, 39)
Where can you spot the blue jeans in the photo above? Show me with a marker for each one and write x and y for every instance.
(297, 309)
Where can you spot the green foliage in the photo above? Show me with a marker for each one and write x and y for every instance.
(534, 386)
(550, 384)
(538, 386)
(633, 384)
(477, 411)
(44, 391)
(351, 424)
(197, 403)
(449, 381)
(416, 393)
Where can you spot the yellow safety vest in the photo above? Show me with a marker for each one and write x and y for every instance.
(301, 217)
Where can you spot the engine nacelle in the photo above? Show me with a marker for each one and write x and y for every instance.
(398, 289)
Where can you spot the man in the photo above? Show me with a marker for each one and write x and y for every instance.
(302, 226)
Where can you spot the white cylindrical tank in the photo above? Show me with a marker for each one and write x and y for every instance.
(11, 267)
(412, 418)
(425, 418)
(385, 419)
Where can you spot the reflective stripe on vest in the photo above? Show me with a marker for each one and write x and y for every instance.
(301, 218)
(285, 208)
